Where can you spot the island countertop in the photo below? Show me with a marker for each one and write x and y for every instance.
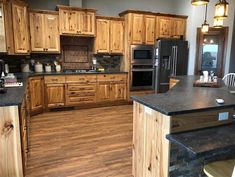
(184, 98)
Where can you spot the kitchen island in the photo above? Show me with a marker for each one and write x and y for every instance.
(183, 108)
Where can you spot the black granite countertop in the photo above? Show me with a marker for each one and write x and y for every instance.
(15, 95)
(206, 141)
(184, 98)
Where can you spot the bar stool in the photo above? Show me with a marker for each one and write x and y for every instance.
(220, 168)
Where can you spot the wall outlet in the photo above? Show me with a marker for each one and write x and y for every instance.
(223, 116)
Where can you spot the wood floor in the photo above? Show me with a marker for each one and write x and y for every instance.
(81, 143)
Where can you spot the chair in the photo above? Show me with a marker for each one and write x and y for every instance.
(220, 168)
(229, 80)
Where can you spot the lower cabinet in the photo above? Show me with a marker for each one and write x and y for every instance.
(77, 94)
(55, 95)
(103, 91)
(36, 94)
(118, 91)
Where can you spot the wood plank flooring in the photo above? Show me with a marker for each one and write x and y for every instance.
(81, 143)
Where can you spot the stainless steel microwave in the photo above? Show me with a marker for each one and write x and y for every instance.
(142, 54)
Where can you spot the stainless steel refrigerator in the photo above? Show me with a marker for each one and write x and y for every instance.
(171, 59)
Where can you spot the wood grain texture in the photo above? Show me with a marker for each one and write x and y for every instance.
(10, 144)
(2, 30)
(81, 143)
(151, 150)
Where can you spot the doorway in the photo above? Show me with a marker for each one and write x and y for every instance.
(211, 51)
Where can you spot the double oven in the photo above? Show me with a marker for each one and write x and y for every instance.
(142, 67)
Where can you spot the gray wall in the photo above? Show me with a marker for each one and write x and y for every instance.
(114, 7)
(46, 4)
(232, 60)
(196, 17)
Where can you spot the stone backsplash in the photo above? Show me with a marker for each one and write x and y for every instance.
(182, 164)
(109, 63)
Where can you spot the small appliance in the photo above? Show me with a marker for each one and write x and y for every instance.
(142, 54)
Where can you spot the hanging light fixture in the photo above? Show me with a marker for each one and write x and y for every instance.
(199, 2)
(221, 9)
(205, 25)
(218, 23)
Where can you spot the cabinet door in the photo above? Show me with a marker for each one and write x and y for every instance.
(103, 92)
(20, 28)
(137, 29)
(68, 21)
(164, 27)
(87, 23)
(55, 95)
(102, 36)
(150, 29)
(2, 30)
(52, 37)
(117, 36)
(37, 32)
(178, 27)
(118, 91)
(36, 94)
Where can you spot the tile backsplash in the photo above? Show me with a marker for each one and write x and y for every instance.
(109, 63)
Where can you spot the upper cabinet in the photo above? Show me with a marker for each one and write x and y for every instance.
(20, 28)
(44, 31)
(142, 29)
(14, 31)
(109, 35)
(3, 47)
(170, 27)
(76, 21)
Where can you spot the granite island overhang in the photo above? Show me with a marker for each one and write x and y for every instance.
(183, 108)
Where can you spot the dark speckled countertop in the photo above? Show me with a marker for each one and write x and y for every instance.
(206, 141)
(14, 96)
(184, 98)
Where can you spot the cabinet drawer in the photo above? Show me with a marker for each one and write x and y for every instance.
(81, 94)
(112, 78)
(81, 79)
(54, 79)
(81, 87)
(80, 100)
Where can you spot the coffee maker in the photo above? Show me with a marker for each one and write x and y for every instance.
(2, 75)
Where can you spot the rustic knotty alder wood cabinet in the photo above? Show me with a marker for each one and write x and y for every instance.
(76, 21)
(36, 94)
(109, 35)
(171, 27)
(44, 31)
(15, 37)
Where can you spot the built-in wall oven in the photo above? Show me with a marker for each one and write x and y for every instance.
(142, 77)
(142, 67)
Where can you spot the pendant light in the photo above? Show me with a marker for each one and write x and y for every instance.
(199, 2)
(205, 25)
(221, 9)
(218, 23)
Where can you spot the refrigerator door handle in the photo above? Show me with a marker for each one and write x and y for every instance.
(173, 59)
(176, 58)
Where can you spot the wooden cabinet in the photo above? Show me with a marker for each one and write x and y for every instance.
(117, 36)
(112, 87)
(110, 35)
(44, 32)
(20, 28)
(76, 21)
(102, 36)
(55, 95)
(170, 27)
(3, 47)
(150, 22)
(143, 29)
(178, 27)
(36, 95)
(137, 30)
(54, 91)
(87, 23)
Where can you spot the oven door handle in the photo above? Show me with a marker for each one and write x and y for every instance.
(142, 69)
